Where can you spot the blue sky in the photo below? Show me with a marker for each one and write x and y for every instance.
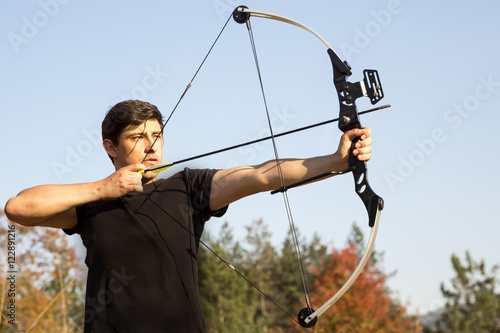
(65, 63)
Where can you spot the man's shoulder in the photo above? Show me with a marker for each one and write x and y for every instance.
(197, 175)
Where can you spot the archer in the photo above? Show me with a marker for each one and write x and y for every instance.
(142, 233)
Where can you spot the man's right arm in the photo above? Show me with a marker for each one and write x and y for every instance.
(55, 205)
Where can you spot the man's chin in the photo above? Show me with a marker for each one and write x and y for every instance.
(149, 177)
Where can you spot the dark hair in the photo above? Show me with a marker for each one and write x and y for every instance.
(125, 114)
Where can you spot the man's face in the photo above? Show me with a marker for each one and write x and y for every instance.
(135, 142)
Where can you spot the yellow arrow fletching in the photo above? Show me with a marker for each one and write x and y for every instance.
(157, 168)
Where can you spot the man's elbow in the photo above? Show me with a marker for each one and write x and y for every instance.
(13, 212)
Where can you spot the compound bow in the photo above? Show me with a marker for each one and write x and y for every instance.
(347, 93)
(348, 119)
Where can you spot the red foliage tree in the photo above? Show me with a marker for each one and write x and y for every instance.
(366, 306)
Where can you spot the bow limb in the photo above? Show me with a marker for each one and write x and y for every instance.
(242, 14)
(359, 268)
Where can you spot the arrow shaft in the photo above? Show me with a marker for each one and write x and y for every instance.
(270, 137)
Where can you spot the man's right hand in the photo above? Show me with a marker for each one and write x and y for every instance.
(121, 182)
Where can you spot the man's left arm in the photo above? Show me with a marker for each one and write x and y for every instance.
(232, 184)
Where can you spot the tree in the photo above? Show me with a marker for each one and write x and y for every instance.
(290, 291)
(471, 303)
(47, 280)
(261, 257)
(224, 296)
(230, 303)
(367, 306)
(357, 238)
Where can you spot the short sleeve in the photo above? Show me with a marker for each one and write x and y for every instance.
(77, 229)
(200, 186)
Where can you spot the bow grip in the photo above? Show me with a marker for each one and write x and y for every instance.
(371, 200)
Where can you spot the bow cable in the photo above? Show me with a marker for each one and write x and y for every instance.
(280, 174)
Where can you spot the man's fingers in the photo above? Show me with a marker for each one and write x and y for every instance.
(131, 180)
(362, 133)
(362, 148)
(364, 143)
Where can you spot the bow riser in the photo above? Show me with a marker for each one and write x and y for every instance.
(348, 93)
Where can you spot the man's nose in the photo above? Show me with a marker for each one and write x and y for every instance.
(152, 144)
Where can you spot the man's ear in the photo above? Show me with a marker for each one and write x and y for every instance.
(109, 147)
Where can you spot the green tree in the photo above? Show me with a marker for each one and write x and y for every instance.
(471, 302)
(290, 291)
(223, 295)
(261, 258)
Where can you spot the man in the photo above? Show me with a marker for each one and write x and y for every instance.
(141, 232)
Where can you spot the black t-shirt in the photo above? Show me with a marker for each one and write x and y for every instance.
(141, 255)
